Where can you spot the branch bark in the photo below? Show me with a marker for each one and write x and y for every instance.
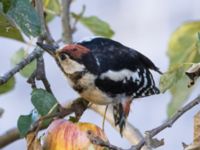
(37, 52)
(6, 139)
(9, 137)
(150, 134)
(65, 16)
(45, 32)
(171, 121)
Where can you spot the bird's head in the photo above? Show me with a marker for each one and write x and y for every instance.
(72, 51)
(69, 57)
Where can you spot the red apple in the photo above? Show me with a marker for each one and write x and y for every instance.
(65, 135)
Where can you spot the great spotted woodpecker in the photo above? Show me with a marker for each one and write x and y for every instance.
(105, 72)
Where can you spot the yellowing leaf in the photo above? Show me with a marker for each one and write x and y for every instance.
(8, 86)
(183, 49)
(97, 26)
(171, 77)
(52, 8)
(8, 30)
(180, 93)
(183, 42)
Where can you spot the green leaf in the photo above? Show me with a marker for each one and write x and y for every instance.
(25, 16)
(180, 93)
(8, 86)
(19, 56)
(25, 122)
(183, 42)
(73, 119)
(182, 50)
(97, 26)
(8, 30)
(52, 9)
(171, 77)
(44, 102)
(6, 5)
(198, 43)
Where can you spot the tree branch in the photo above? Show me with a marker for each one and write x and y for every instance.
(150, 134)
(9, 137)
(37, 52)
(6, 139)
(65, 16)
(171, 121)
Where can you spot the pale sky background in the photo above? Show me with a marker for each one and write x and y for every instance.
(145, 25)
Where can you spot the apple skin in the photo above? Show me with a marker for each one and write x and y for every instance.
(65, 135)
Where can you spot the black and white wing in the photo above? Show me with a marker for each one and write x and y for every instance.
(119, 69)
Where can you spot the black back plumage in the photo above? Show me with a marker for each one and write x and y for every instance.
(108, 55)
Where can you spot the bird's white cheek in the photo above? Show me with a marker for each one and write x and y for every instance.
(71, 66)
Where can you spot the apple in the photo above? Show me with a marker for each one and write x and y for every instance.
(65, 135)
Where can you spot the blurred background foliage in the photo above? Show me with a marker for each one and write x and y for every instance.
(183, 51)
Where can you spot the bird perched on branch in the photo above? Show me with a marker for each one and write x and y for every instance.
(105, 72)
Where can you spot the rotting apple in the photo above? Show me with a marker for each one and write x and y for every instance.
(65, 135)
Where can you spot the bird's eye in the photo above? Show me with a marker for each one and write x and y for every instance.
(63, 57)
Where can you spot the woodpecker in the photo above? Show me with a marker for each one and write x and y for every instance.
(104, 71)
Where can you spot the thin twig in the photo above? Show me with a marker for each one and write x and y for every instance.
(65, 16)
(45, 32)
(104, 118)
(77, 18)
(31, 80)
(41, 74)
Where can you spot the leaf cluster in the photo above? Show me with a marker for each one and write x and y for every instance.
(183, 51)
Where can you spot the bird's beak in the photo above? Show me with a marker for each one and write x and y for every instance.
(51, 49)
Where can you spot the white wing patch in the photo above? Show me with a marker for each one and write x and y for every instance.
(97, 61)
(121, 75)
